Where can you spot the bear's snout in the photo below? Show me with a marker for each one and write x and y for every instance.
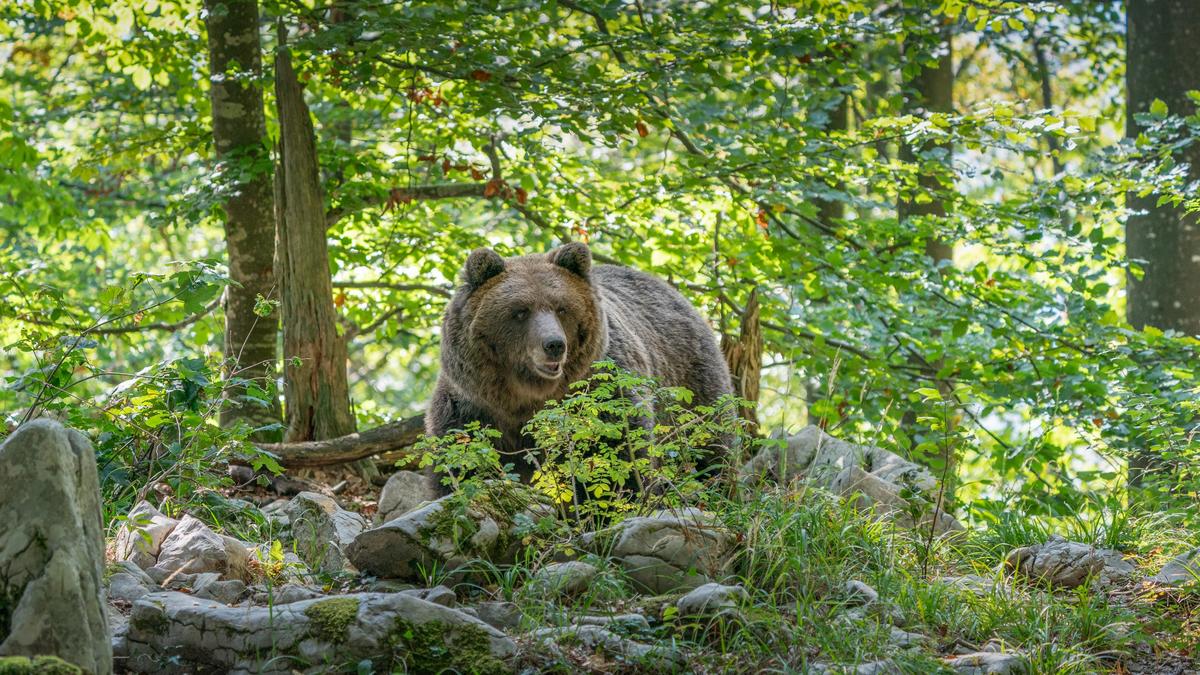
(548, 345)
(554, 347)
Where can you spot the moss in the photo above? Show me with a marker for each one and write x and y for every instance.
(155, 623)
(44, 665)
(436, 647)
(330, 618)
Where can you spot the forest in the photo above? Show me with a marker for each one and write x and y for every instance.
(253, 254)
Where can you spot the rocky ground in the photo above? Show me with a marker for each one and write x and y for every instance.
(822, 564)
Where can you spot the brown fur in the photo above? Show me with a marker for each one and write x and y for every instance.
(490, 349)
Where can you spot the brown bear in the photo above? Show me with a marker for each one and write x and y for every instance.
(520, 330)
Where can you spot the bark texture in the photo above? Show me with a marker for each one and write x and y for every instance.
(240, 139)
(1161, 53)
(316, 395)
(1161, 39)
(931, 90)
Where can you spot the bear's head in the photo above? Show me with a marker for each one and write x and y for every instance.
(525, 327)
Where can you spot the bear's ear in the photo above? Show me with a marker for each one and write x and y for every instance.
(482, 264)
(574, 257)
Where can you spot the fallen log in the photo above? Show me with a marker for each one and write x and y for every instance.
(389, 437)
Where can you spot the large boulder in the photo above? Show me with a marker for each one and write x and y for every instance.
(873, 477)
(193, 548)
(52, 548)
(1069, 564)
(322, 530)
(141, 536)
(671, 550)
(394, 631)
(448, 533)
(403, 492)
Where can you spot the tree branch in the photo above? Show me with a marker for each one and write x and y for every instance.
(389, 437)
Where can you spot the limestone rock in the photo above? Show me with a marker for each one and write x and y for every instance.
(989, 663)
(445, 533)
(438, 595)
(193, 548)
(168, 629)
(289, 593)
(626, 621)
(874, 476)
(668, 551)
(1183, 569)
(500, 615)
(564, 578)
(598, 638)
(128, 587)
(322, 530)
(210, 586)
(859, 593)
(52, 548)
(141, 536)
(971, 582)
(403, 492)
(1069, 564)
(711, 599)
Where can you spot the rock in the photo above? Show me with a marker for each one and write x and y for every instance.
(169, 629)
(276, 513)
(499, 615)
(563, 579)
(403, 492)
(128, 587)
(289, 593)
(322, 530)
(52, 548)
(859, 593)
(227, 591)
(193, 548)
(43, 665)
(141, 535)
(989, 663)
(598, 638)
(902, 638)
(438, 595)
(711, 599)
(445, 534)
(1183, 569)
(971, 582)
(1069, 564)
(874, 476)
(668, 551)
(627, 621)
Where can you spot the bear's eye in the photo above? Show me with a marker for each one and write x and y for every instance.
(562, 311)
(520, 314)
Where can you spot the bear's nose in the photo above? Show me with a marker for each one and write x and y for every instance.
(554, 347)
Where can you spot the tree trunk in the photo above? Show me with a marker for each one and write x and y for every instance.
(316, 395)
(1161, 39)
(931, 90)
(240, 138)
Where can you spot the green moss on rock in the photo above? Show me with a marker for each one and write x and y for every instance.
(43, 665)
(437, 647)
(156, 624)
(330, 618)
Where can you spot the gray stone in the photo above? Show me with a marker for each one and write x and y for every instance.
(438, 595)
(193, 548)
(141, 536)
(403, 492)
(859, 593)
(277, 513)
(322, 530)
(127, 587)
(52, 548)
(563, 579)
(902, 638)
(225, 591)
(989, 663)
(445, 534)
(289, 593)
(873, 477)
(1069, 564)
(711, 599)
(668, 551)
(599, 638)
(971, 582)
(169, 629)
(1182, 569)
(500, 615)
(627, 621)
